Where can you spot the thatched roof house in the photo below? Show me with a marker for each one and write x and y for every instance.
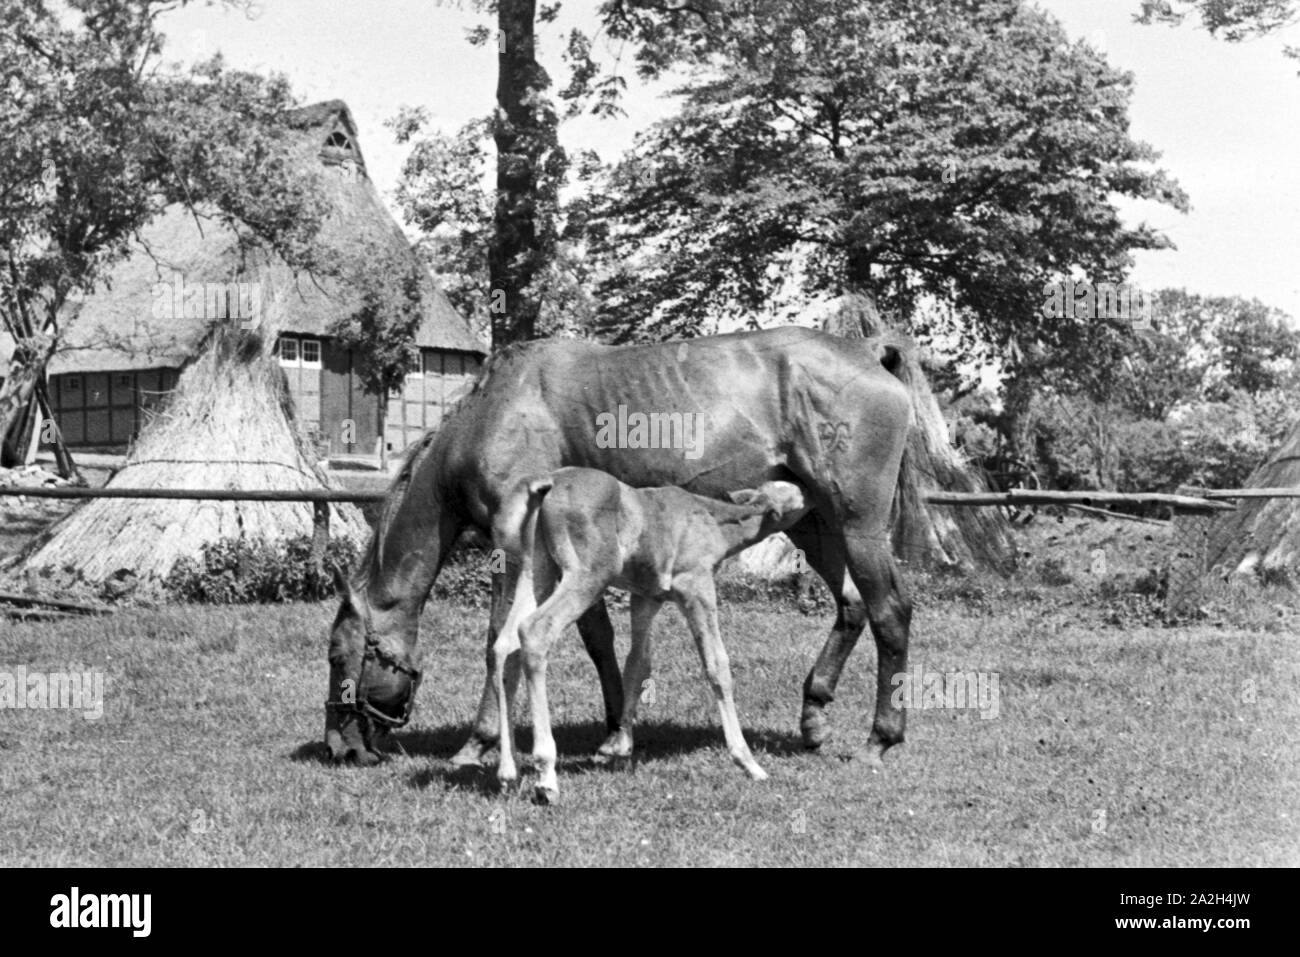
(219, 359)
(126, 344)
(1263, 535)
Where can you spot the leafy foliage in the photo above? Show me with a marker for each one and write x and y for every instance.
(382, 328)
(97, 138)
(1233, 20)
(964, 152)
(239, 571)
(442, 193)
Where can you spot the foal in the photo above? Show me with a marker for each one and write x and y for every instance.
(577, 531)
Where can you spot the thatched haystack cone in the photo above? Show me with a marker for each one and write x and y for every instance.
(1263, 535)
(228, 425)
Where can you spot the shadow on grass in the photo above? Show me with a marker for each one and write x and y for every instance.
(576, 743)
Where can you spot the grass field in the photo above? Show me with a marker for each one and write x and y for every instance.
(1118, 741)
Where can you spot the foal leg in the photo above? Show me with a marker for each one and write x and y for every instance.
(699, 602)
(487, 721)
(635, 673)
(825, 552)
(571, 597)
(506, 658)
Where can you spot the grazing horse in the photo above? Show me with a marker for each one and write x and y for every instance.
(578, 531)
(708, 415)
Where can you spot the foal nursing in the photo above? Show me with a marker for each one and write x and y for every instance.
(577, 531)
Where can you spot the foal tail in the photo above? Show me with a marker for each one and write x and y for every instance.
(515, 525)
(537, 490)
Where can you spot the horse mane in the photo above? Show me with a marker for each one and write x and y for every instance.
(373, 558)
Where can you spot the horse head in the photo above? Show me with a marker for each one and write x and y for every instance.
(372, 680)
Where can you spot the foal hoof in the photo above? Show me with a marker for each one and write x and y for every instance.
(469, 756)
(545, 797)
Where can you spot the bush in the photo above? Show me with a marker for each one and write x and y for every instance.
(240, 571)
(1078, 444)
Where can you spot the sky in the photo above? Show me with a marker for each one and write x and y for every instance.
(1225, 117)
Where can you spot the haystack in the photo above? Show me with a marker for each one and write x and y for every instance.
(965, 538)
(228, 425)
(1263, 535)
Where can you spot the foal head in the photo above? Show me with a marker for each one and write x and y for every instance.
(776, 506)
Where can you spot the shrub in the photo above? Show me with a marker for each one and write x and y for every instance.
(242, 571)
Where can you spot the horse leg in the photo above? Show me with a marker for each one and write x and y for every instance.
(571, 597)
(635, 674)
(889, 611)
(699, 603)
(598, 638)
(487, 721)
(825, 553)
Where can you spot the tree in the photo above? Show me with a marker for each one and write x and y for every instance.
(1207, 348)
(383, 326)
(96, 139)
(441, 192)
(530, 166)
(910, 151)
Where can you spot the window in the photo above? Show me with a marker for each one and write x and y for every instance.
(414, 368)
(299, 353)
(310, 350)
(339, 141)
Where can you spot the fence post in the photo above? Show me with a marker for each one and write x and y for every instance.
(320, 537)
(1188, 563)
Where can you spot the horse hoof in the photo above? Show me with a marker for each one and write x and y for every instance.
(816, 730)
(545, 796)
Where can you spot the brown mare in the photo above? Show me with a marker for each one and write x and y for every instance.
(784, 404)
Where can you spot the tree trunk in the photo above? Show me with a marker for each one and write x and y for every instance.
(520, 132)
(25, 371)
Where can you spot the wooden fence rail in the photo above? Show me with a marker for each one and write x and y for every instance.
(1196, 505)
(1202, 500)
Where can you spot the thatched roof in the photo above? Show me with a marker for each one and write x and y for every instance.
(117, 327)
(1263, 534)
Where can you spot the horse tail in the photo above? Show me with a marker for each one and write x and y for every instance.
(537, 490)
(965, 536)
(897, 353)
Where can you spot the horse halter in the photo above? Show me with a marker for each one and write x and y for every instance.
(362, 706)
